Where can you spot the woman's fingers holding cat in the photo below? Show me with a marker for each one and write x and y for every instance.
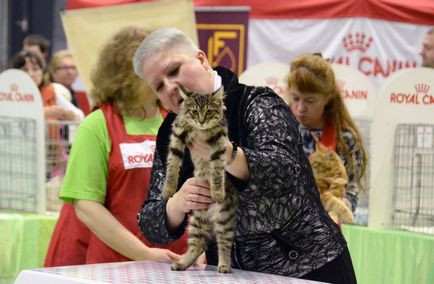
(199, 148)
(196, 194)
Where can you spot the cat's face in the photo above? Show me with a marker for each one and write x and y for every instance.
(327, 165)
(202, 110)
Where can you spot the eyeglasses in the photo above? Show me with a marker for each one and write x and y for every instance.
(66, 68)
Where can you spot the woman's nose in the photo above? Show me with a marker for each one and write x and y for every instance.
(301, 107)
(170, 87)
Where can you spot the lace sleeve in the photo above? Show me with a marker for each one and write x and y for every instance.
(274, 144)
(152, 215)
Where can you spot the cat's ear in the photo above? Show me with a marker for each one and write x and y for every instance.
(184, 91)
(219, 92)
(318, 145)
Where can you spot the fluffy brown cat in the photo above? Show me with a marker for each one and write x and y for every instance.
(331, 178)
(202, 115)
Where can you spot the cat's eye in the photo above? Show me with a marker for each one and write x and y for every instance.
(208, 112)
(195, 112)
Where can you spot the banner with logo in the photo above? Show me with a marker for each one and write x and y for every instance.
(375, 37)
(357, 90)
(406, 99)
(222, 33)
(87, 29)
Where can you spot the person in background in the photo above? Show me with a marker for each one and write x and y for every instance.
(56, 106)
(110, 166)
(282, 227)
(59, 113)
(318, 106)
(427, 51)
(39, 45)
(62, 70)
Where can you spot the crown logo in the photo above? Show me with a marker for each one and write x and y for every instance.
(357, 41)
(14, 87)
(271, 81)
(421, 88)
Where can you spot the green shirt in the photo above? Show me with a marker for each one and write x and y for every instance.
(87, 170)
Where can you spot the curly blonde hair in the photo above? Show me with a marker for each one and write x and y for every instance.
(313, 74)
(113, 76)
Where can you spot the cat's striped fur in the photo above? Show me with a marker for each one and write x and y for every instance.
(202, 115)
(331, 178)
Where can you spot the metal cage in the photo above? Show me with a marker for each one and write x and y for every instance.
(413, 178)
(58, 140)
(18, 164)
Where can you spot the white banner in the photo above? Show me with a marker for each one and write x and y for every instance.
(375, 47)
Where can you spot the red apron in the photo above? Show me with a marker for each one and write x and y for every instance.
(130, 166)
(68, 245)
(72, 243)
(70, 237)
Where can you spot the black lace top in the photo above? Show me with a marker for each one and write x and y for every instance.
(282, 227)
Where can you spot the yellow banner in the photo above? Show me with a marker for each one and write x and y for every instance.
(87, 29)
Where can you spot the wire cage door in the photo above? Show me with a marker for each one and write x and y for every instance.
(18, 164)
(413, 178)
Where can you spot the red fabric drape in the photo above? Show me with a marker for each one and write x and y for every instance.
(414, 11)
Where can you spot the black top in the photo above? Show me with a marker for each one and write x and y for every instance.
(282, 227)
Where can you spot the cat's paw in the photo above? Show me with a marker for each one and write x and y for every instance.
(347, 216)
(217, 196)
(176, 266)
(224, 269)
(334, 216)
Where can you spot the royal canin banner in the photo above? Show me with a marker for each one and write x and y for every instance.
(376, 37)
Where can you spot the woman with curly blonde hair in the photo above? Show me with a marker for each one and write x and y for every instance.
(110, 165)
(317, 103)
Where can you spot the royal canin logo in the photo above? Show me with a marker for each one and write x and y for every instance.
(14, 95)
(358, 41)
(352, 94)
(14, 87)
(356, 44)
(141, 158)
(421, 97)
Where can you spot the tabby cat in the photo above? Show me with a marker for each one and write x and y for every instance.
(331, 178)
(202, 115)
